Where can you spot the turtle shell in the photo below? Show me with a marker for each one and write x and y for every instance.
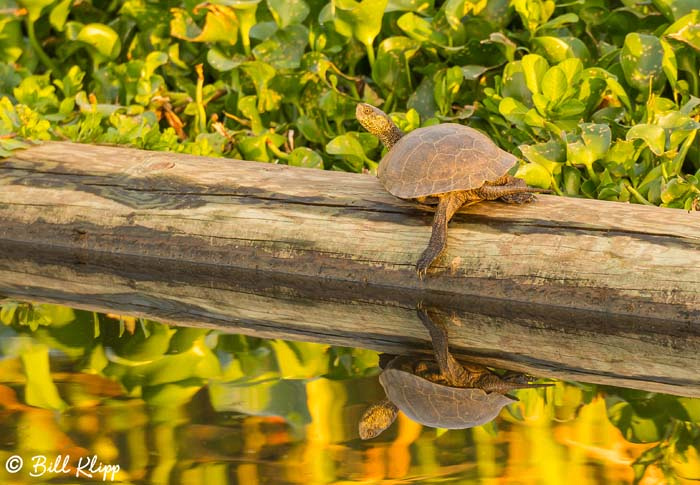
(438, 405)
(442, 158)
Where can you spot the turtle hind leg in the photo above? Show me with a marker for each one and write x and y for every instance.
(493, 383)
(510, 189)
(448, 205)
(508, 193)
(520, 198)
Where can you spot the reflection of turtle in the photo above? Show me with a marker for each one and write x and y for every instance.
(450, 165)
(441, 393)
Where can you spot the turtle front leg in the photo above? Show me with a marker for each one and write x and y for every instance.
(450, 368)
(448, 205)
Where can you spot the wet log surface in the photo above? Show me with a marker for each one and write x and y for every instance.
(594, 291)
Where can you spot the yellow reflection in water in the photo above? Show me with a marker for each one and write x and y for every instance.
(252, 412)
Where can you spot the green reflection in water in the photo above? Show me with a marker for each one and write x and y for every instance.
(187, 405)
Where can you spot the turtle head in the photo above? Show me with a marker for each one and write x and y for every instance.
(378, 123)
(377, 418)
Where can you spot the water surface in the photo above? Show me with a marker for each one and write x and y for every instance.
(173, 405)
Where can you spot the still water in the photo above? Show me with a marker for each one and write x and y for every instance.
(135, 401)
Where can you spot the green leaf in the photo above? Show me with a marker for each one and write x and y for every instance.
(391, 70)
(577, 153)
(472, 72)
(455, 10)
(350, 147)
(514, 84)
(557, 49)
(103, 38)
(533, 119)
(288, 12)
(611, 82)
(513, 110)
(409, 5)
(285, 48)
(572, 69)
(571, 108)
(305, 157)
(222, 62)
(247, 105)
(72, 82)
(561, 20)
(36, 91)
(668, 63)
(153, 61)
(675, 189)
(641, 58)
(257, 147)
(447, 84)
(221, 24)
(686, 30)
(534, 12)
(421, 30)
(678, 126)
(59, 14)
(261, 73)
(40, 390)
(597, 138)
(300, 359)
(541, 103)
(150, 341)
(554, 84)
(310, 129)
(34, 8)
(572, 180)
(534, 68)
(535, 175)
(620, 157)
(11, 49)
(422, 99)
(506, 45)
(550, 155)
(675, 9)
(654, 136)
(362, 19)
(690, 106)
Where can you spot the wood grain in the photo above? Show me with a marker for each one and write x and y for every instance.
(569, 286)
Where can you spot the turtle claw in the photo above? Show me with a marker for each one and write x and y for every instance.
(422, 269)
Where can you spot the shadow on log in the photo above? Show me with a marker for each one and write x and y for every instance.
(578, 289)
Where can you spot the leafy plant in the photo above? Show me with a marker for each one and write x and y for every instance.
(600, 99)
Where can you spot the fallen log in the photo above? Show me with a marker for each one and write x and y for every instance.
(598, 291)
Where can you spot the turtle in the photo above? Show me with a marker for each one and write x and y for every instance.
(440, 392)
(448, 165)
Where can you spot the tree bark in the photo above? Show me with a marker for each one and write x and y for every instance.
(589, 290)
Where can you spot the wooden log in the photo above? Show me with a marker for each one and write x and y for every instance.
(597, 291)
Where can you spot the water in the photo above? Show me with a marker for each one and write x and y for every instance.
(169, 405)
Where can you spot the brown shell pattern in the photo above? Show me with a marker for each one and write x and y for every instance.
(442, 158)
(440, 406)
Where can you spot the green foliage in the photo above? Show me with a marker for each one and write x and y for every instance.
(670, 422)
(163, 365)
(600, 99)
